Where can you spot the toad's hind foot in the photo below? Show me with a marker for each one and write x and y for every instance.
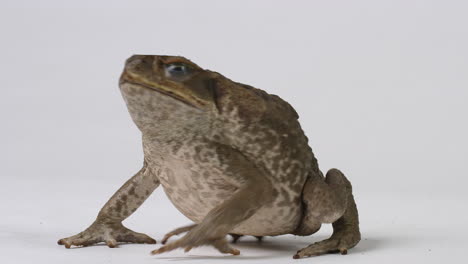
(111, 234)
(338, 243)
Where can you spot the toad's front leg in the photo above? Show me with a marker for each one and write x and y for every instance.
(254, 191)
(108, 226)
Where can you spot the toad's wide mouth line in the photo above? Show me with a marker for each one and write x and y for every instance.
(127, 79)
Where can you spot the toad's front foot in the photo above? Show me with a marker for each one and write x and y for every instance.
(190, 241)
(220, 244)
(110, 234)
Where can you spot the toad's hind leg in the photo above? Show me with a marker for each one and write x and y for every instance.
(329, 201)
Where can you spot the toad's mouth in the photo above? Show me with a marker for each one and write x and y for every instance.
(181, 97)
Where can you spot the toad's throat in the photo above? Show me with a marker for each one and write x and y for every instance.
(184, 98)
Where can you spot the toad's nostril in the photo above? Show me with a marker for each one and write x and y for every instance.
(138, 58)
(134, 63)
(134, 57)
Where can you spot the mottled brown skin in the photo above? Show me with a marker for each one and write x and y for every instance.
(230, 157)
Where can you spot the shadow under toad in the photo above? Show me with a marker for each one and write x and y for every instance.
(274, 247)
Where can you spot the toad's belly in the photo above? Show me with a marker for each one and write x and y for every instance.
(196, 190)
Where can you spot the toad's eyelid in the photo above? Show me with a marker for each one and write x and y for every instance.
(175, 65)
(172, 60)
(178, 61)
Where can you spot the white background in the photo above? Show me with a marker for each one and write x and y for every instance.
(381, 88)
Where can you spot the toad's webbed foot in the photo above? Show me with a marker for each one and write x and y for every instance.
(339, 242)
(110, 234)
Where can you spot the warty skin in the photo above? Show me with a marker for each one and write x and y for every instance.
(230, 157)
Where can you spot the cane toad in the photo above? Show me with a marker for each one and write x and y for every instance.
(230, 157)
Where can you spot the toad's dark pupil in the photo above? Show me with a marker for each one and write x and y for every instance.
(177, 69)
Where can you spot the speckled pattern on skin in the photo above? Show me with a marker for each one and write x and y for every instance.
(230, 157)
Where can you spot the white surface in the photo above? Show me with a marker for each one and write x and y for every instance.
(381, 88)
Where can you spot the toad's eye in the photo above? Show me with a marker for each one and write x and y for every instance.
(177, 70)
